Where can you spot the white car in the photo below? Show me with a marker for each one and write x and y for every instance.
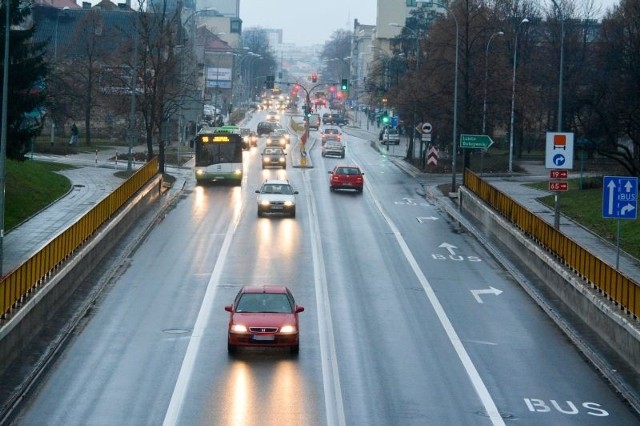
(390, 137)
(276, 196)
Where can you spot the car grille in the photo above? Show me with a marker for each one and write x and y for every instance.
(263, 329)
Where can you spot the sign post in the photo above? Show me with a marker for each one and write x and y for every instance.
(619, 201)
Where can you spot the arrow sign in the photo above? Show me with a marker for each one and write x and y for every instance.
(490, 290)
(475, 141)
(449, 247)
(619, 197)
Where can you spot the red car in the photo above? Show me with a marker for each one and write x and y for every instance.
(263, 316)
(346, 177)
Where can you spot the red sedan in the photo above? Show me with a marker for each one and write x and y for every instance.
(346, 177)
(263, 316)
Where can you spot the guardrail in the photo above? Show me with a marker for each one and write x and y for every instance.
(16, 286)
(615, 285)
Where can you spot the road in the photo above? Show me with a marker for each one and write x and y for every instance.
(407, 321)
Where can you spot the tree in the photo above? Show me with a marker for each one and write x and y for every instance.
(610, 113)
(335, 53)
(257, 41)
(27, 75)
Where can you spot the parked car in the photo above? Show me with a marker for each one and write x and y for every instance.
(264, 316)
(333, 148)
(274, 157)
(346, 177)
(390, 136)
(276, 196)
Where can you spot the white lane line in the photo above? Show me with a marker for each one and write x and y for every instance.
(333, 402)
(474, 376)
(188, 363)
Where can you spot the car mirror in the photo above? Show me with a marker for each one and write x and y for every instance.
(228, 308)
(330, 172)
(257, 191)
(295, 192)
(299, 309)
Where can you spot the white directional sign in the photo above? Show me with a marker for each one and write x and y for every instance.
(559, 151)
(426, 128)
(619, 197)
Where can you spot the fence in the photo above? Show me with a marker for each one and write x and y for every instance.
(17, 285)
(618, 287)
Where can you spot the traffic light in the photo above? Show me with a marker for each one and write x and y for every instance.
(344, 86)
(270, 83)
(386, 119)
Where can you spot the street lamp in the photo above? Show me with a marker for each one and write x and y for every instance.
(560, 78)
(486, 76)
(513, 94)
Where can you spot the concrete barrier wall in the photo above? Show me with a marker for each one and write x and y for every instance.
(597, 312)
(43, 305)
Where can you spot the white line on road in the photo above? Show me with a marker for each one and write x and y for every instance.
(334, 405)
(474, 376)
(188, 363)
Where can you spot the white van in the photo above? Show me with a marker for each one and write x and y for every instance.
(314, 121)
(390, 136)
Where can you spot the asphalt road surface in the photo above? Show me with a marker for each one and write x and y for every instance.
(407, 321)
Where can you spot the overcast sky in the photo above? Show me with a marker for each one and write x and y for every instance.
(307, 22)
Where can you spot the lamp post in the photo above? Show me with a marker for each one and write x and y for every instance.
(560, 77)
(486, 77)
(513, 95)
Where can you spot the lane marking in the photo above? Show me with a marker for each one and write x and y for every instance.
(334, 405)
(188, 363)
(472, 372)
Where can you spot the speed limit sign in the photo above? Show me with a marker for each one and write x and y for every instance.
(426, 128)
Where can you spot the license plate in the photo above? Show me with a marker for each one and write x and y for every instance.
(277, 207)
(263, 337)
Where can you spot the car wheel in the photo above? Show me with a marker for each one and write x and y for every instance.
(293, 213)
(284, 167)
(331, 188)
(231, 349)
(342, 156)
(260, 214)
(295, 349)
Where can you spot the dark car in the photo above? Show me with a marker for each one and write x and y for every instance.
(346, 177)
(340, 119)
(265, 127)
(264, 316)
(274, 157)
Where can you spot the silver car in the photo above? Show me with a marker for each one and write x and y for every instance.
(276, 196)
(333, 148)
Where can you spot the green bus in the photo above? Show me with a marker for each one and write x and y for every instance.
(219, 155)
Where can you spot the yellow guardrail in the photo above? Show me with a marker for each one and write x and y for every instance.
(614, 284)
(16, 286)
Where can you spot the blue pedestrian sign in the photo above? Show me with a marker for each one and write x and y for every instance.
(619, 197)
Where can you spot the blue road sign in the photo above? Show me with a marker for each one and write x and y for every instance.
(394, 121)
(619, 197)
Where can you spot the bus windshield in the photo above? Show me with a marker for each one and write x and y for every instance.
(218, 148)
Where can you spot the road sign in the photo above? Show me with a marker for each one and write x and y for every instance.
(475, 141)
(426, 137)
(619, 197)
(559, 151)
(432, 156)
(558, 174)
(394, 121)
(558, 185)
(426, 128)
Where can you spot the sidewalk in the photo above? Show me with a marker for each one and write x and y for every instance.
(93, 179)
(516, 187)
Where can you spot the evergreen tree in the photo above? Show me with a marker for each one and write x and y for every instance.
(27, 79)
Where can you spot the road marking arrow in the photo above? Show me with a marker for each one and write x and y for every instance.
(490, 290)
(449, 247)
(422, 219)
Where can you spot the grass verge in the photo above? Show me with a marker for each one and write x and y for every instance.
(30, 187)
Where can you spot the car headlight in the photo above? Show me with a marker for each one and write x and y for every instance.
(288, 203)
(266, 160)
(200, 172)
(288, 329)
(238, 328)
(264, 202)
(281, 160)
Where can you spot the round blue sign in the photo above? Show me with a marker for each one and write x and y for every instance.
(559, 160)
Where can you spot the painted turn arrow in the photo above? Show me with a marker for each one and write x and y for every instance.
(449, 247)
(490, 290)
(422, 219)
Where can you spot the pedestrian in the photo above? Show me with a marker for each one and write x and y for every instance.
(74, 135)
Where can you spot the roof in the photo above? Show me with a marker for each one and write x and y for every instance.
(264, 289)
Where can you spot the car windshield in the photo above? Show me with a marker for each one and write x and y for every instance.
(276, 189)
(392, 132)
(348, 171)
(264, 302)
